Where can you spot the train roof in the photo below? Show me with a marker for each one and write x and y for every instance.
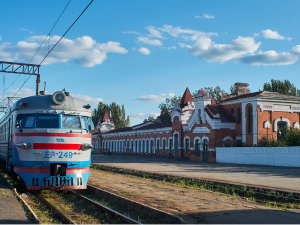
(45, 102)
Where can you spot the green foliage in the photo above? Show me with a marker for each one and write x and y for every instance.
(283, 87)
(214, 92)
(116, 112)
(239, 143)
(150, 118)
(288, 137)
(265, 142)
(167, 108)
(232, 89)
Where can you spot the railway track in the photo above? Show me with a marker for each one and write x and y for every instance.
(91, 206)
(73, 213)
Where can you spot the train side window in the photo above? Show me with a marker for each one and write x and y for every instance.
(29, 121)
(19, 121)
(47, 121)
(71, 122)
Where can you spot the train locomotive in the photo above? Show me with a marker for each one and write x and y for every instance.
(46, 141)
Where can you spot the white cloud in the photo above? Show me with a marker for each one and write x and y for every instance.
(144, 50)
(131, 32)
(0, 38)
(88, 99)
(270, 34)
(173, 47)
(5, 55)
(271, 58)
(208, 50)
(205, 16)
(187, 34)
(24, 92)
(141, 116)
(296, 50)
(84, 50)
(155, 98)
(154, 32)
(149, 41)
(182, 45)
(22, 29)
(208, 16)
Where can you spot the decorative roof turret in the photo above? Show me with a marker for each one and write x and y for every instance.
(187, 97)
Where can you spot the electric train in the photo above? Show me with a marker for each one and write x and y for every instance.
(46, 141)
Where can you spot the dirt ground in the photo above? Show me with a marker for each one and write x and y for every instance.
(194, 206)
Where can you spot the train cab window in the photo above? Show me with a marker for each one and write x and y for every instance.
(87, 123)
(91, 124)
(71, 122)
(29, 121)
(84, 123)
(19, 121)
(47, 121)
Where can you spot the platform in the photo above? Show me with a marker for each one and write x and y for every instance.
(268, 176)
(11, 211)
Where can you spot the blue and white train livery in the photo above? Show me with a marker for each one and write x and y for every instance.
(46, 140)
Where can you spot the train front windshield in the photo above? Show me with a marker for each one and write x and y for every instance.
(57, 121)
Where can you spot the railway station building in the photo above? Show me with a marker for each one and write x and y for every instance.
(198, 125)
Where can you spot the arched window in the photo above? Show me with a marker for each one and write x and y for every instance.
(152, 146)
(147, 146)
(157, 146)
(164, 146)
(140, 146)
(136, 143)
(187, 146)
(197, 147)
(250, 120)
(170, 147)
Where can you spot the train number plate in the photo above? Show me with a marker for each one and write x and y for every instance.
(58, 155)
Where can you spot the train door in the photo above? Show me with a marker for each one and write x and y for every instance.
(9, 128)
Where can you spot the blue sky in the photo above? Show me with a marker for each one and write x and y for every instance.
(137, 53)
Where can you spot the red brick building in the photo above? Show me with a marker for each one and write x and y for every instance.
(199, 125)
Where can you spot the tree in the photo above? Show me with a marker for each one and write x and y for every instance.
(117, 113)
(214, 92)
(283, 87)
(150, 118)
(167, 107)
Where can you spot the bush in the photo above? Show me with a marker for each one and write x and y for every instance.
(265, 142)
(288, 137)
(239, 143)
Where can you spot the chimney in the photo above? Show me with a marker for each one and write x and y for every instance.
(241, 88)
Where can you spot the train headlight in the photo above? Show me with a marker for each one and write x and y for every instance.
(59, 97)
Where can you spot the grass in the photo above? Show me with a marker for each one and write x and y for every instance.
(245, 192)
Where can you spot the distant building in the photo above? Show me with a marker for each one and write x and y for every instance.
(198, 125)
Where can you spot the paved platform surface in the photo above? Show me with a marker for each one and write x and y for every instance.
(11, 211)
(268, 176)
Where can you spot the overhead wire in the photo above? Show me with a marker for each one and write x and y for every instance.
(56, 44)
(41, 44)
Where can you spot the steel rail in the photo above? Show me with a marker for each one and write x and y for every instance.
(64, 217)
(104, 208)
